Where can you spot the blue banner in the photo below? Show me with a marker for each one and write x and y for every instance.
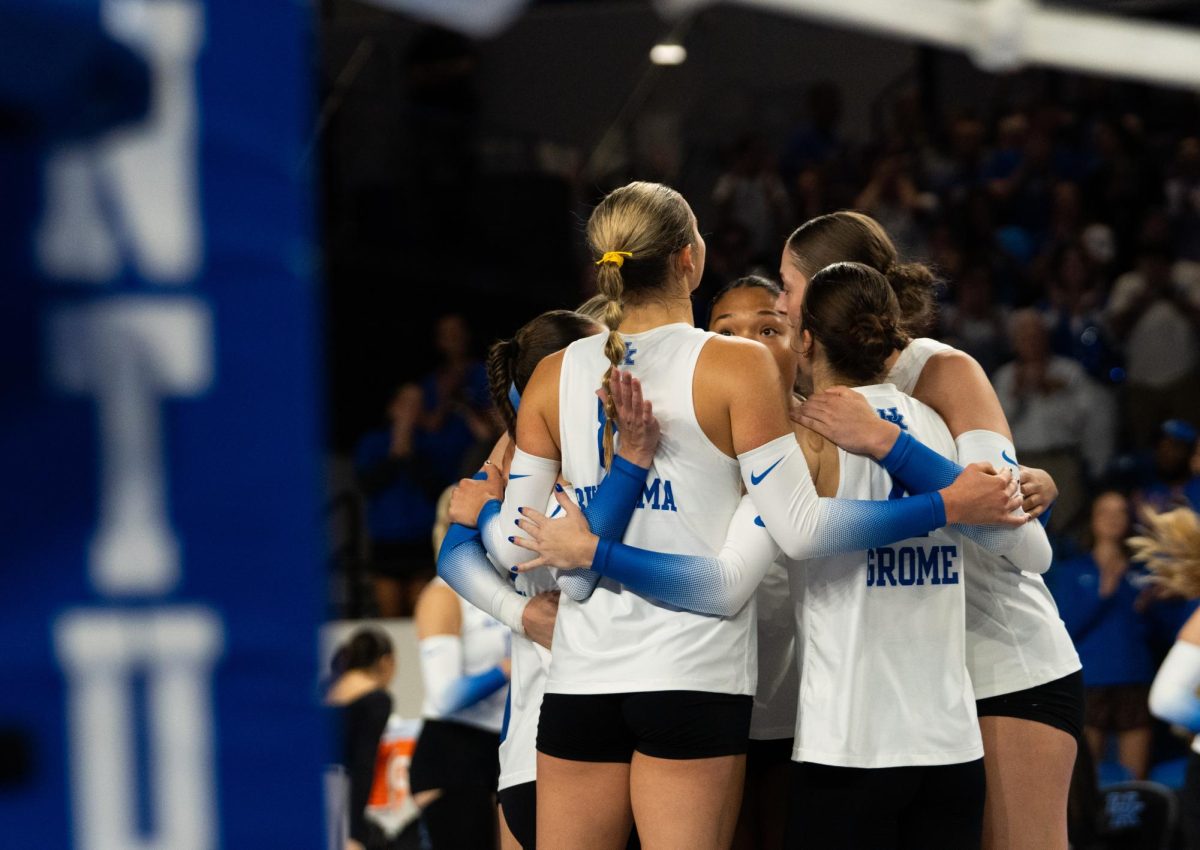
(160, 553)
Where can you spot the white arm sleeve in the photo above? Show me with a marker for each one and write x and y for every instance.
(1026, 547)
(806, 525)
(1173, 696)
(441, 668)
(530, 483)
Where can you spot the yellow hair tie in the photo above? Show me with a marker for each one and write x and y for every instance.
(617, 257)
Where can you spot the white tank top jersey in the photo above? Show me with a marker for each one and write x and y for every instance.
(774, 715)
(1015, 638)
(530, 666)
(485, 643)
(881, 646)
(617, 641)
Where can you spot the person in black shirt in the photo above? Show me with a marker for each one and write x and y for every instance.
(362, 668)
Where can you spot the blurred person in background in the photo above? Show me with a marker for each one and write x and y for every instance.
(434, 426)
(1101, 601)
(399, 488)
(1155, 311)
(1183, 199)
(1171, 481)
(465, 669)
(363, 668)
(1073, 311)
(751, 193)
(1062, 421)
(456, 422)
(893, 199)
(973, 322)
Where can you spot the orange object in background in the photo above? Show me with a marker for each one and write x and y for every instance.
(390, 804)
(390, 787)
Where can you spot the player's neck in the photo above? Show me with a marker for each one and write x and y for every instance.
(656, 313)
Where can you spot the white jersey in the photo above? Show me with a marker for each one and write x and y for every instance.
(530, 666)
(617, 641)
(485, 643)
(774, 715)
(1015, 638)
(881, 646)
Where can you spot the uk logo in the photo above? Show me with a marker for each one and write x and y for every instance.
(892, 415)
(629, 352)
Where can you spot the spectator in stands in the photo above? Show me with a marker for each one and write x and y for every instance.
(1098, 597)
(363, 668)
(1171, 482)
(1183, 199)
(456, 412)
(752, 194)
(1062, 421)
(1072, 312)
(400, 489)
(974, 322)
(892, 198)
(1155, 311)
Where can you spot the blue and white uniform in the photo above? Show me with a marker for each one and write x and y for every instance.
(880, 633)
(1015, 638)
(618, 640)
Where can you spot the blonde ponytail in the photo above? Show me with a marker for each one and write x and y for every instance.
(611, 287)
(1170, 549)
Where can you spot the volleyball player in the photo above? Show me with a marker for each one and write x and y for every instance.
(746, 308)
(522, 602)
(464, 657)
(647, 707)
(1024, 668)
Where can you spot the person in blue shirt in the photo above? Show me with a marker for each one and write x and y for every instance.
(1100, 598)
(400, 490)
(1171, 479)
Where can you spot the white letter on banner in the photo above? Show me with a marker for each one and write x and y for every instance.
(132, 196)
(128, 352)
(101, 651)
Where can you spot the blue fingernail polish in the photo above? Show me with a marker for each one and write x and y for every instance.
(511, 540)
(512, 569)
(558, 487)
(516, 522)
(521, 511)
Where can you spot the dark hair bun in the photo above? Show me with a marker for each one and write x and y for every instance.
(915, 285)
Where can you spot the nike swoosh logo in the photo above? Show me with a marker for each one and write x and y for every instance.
(1004, 455)
(514, 477)
(757, 479)
(758, 521)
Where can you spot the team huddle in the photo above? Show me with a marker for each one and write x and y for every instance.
(799, 590)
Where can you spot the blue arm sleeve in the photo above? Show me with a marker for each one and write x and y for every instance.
(608, 514)
(718, 585)
(468, 690)
(919, 469)
(464, 565)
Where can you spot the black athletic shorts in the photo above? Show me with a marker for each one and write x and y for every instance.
(454, 755)
(661, 724)
(938, 807)
(1058, 704)
(763, 755)
(519, 805)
